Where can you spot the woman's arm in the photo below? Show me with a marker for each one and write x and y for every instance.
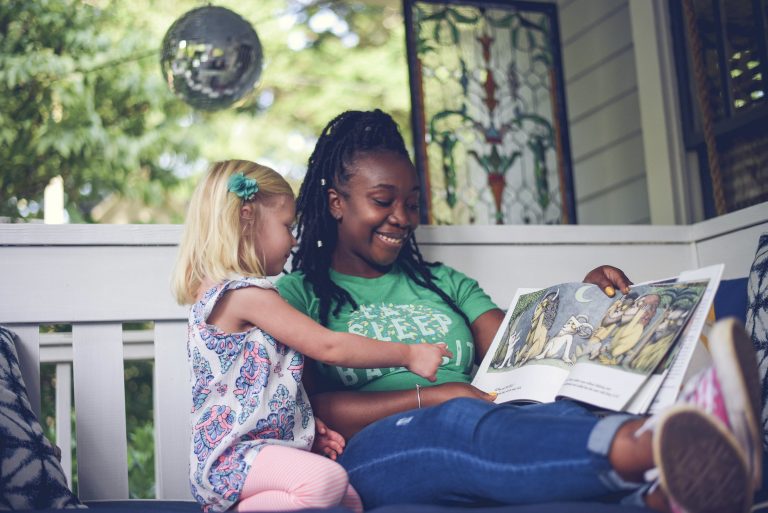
(348, 411)
(609, 279)
(484, 329)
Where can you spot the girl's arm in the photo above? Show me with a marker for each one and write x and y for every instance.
(267, 310)
(327, 442)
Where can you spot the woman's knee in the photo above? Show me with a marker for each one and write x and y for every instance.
(462, 407)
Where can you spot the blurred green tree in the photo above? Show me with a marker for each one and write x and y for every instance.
(68, 110)
(82, 96)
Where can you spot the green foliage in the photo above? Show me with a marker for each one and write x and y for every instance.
(82, 96)
(47, 400)
(140, 428)
(138, 392)
(48, 414)
(102, 128)
(141, 461)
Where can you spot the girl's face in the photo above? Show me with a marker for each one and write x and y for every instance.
(377, 211)
(274, 236)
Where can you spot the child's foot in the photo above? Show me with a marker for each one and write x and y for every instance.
(701, 467)
(730, 390)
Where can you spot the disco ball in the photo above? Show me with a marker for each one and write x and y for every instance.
(211, 57)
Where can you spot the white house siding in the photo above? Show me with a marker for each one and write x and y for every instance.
(603, 112)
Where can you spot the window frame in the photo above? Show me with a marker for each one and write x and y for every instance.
(567, 188)
(734, 123)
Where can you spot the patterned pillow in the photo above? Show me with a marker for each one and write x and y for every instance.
(30, 475)
(757, 319)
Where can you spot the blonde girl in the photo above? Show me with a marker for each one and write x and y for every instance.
(252, 424)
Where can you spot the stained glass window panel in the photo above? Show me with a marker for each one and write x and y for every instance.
(490, 128)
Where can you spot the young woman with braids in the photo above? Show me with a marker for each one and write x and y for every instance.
(358, 269)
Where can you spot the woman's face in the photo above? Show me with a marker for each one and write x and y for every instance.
(377, 211)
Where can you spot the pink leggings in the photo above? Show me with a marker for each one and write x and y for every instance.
(284, 478)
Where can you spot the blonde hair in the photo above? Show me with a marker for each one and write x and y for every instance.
(213, 246)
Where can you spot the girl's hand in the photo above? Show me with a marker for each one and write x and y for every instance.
(437, 394)
(327, 441)
(609, 279)
(426, 358)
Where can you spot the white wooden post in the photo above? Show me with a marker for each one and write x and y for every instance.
(173, 400)
(64, 417)
(670, 194)
(102, 448)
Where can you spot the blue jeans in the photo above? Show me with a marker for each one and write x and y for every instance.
(468, 451)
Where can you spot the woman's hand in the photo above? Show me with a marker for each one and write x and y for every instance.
(424, 359)
(609, 279)
(430, 396)
(327, 441)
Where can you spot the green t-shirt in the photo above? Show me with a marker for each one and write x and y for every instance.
(393, 307)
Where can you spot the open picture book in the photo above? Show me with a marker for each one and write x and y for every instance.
(630, 352)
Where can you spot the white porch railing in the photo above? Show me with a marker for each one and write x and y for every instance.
(96, 278)
(56, 348)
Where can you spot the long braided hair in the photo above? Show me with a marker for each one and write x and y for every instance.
(346, 137)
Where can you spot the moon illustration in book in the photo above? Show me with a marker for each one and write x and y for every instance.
(579, 294)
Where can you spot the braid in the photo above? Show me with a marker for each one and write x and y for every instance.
(330, 165)
(316, 229)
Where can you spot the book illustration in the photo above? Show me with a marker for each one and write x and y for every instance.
(648, 352)
(569, 323)
(538, 344)
(642, 328)
(626, 326)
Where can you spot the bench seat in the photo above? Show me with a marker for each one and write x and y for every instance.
(98, 278)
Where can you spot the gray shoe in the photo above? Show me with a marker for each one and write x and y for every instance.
(700, 464)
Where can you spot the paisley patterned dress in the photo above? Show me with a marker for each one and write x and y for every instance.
(246, 393)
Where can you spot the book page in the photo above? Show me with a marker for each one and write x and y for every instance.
(496, 374)
(606, 387)
(538, 341)
(651, 397)
(630, 342)
(678, 370)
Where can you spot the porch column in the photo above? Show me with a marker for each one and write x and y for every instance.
(670, 184)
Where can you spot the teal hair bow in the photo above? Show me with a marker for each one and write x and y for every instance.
(244, 187)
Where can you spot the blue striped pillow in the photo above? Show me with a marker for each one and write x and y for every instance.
(30, 475)
(757, 319)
